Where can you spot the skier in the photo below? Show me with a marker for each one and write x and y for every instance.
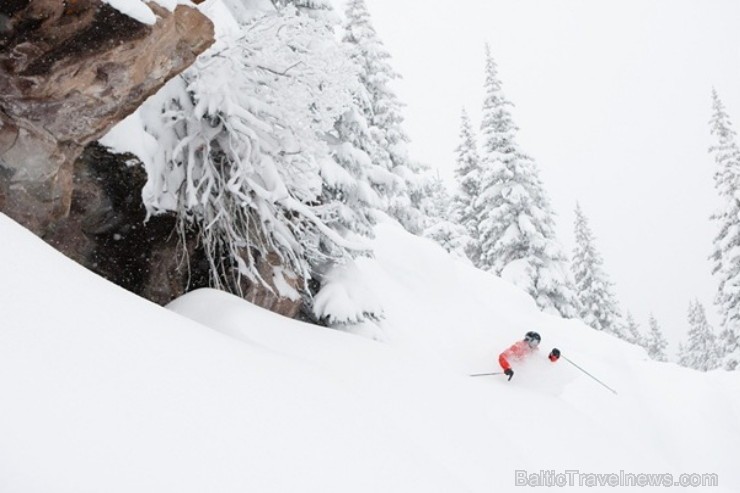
(521, 350)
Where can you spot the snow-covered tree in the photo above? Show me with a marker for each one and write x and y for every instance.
(240, 152)
(700, 350)
(656, 343)
(348, 189)
(632, 332)
(440, 223)
(450, 236)
(435, 201)
(382, 111)
(468, 177)
(409, 207)
(516, 229)
(599, 307)
(308, 6)
(725, 257)
(351, 198)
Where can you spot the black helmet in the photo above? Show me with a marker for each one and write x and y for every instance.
(532, 336)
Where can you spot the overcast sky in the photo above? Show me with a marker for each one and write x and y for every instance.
(612, 99)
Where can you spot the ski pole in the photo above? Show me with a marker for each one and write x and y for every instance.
(484, 374)
(587, 373)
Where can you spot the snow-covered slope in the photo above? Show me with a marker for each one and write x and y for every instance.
(103, 391)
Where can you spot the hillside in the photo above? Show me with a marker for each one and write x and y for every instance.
(104, 391)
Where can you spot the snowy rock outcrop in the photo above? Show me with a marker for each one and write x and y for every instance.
(68, 72)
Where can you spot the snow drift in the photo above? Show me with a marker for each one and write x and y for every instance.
(103, 391)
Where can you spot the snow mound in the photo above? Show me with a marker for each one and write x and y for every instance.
(345, 297)
(104, 391)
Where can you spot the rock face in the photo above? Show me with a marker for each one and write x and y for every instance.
(107, 231)
(69, 71)
(269, 298)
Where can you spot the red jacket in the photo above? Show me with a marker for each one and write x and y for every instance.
(517, 351)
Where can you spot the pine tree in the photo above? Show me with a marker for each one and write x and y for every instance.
(515, 222)
(409, 207)
(599, 308)
(632, 332)
(725, 260)
(382, 111)
(349, 202)
(349, 191)
(435, 202)
(700, 351)
(441, 225)
(656, 343)
(468, 176)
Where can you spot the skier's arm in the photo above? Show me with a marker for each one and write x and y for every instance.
(505, 365)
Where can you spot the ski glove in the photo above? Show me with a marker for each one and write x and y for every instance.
(509, 372)
(554, 355)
